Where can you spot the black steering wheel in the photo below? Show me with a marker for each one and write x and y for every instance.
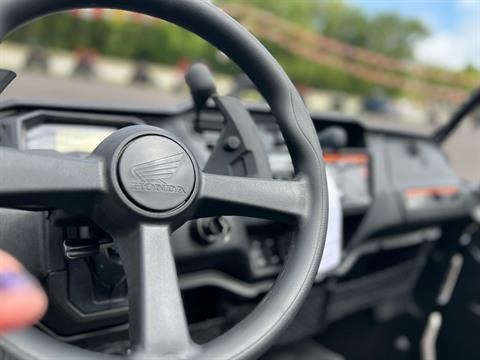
(142, 183)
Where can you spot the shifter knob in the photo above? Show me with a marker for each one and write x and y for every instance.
(333, 137)
(201, 83)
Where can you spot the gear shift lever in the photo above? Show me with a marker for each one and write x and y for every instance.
(201, 83)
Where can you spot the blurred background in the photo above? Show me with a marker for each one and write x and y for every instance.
(394, 63)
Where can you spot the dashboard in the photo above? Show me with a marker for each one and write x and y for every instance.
(71, 133)
(405, 176)
(391, 185)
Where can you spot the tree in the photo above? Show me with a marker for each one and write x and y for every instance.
(393, 35)
(164, 43)
(386, 33)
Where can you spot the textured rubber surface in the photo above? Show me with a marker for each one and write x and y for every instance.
(256, 332)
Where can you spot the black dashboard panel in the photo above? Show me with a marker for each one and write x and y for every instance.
(387, 180)
(408, 162)
(413, 185)
(415, 163)
(427, 186)
(392, 166)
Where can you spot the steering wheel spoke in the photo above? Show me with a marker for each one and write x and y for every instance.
(45, 180)
(152, 178)
(157, 318)
(252, 197)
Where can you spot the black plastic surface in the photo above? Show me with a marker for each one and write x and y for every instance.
(127, 222)
(239, 150)
(201, 83)
(156, 172)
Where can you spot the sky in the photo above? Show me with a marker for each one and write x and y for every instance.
(454, 25)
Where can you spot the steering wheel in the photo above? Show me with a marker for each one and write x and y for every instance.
(142, 183)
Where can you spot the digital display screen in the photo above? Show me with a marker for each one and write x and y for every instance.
(66, 138)
(351, 174)
(349, 170)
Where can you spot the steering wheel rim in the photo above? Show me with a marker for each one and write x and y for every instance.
(252, 335)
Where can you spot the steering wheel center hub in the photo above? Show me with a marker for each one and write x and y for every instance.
(156, 173)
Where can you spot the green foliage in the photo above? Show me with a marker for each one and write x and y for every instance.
(471, 70)
(387, 33)
(164, 43)
(393, 36)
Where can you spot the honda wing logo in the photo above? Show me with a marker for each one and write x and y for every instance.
(152, 175)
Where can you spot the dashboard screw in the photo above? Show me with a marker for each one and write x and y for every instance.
(232, 143)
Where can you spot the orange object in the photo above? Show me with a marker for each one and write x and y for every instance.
(357, 158)
(432, 191)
